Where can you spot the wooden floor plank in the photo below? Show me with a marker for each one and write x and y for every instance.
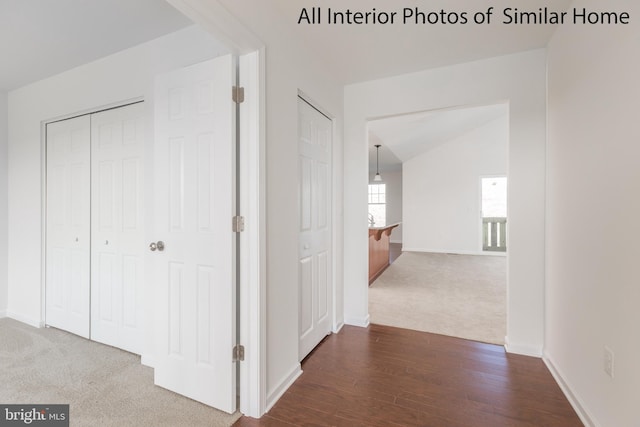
(384, 376)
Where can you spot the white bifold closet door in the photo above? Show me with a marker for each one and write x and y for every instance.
(95, 241)
(117, 227)
(68, 228)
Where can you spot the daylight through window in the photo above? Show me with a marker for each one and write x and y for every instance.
(377, 205)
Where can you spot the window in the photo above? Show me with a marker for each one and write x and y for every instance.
(377, 204)
(494, 214)
(494, 197)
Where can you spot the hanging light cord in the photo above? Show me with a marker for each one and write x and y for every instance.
(377, 177)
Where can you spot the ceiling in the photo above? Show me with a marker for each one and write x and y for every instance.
(40, 38)
(366, 52)
(407, 136)
(358, 53)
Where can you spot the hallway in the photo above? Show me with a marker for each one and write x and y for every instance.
(383, 376)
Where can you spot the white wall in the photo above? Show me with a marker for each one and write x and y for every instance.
(593, 207)
(113, 79)
(442, 200)
(3, 205)
(290, 67)
(519, 79)
(393, 181)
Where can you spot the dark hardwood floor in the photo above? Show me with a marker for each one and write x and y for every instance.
(384, 376)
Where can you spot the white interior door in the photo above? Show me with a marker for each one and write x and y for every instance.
(117, 227)
(194, 205)
(314, 269)
(67, 224)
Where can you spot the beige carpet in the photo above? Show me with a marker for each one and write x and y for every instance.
(457, 295)
(103, 385)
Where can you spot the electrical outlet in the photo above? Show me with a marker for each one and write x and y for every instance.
(608, 361)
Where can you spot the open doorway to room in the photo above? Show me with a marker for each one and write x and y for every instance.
(446, 269)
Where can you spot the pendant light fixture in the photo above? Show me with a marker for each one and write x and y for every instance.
(377, 178)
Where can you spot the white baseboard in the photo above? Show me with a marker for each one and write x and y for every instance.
(338, 328)
(453, 251)
(3, 314)
(395, 241)
(574, 400)
(148, 360)
(276, 394)
(522, 349)
(362, 322)
(36, 323)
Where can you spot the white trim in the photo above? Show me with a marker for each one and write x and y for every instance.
(362, 322)
(217, 20)
(104, 107)
(43, 221)
(36, 323)
(283, 387)
(148, 360)
(337, 233)
(252, 331)
(454, 251)
(309, 100)
(577, 404)
(522, 349)
(338, 328)
(3, 314)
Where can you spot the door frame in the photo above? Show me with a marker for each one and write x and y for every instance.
(225, 27)
(252, 302)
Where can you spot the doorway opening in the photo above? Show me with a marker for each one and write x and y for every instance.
(444, 281)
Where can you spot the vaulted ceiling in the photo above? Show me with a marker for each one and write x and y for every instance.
(39, 38)
(405, 137)
(360, 52)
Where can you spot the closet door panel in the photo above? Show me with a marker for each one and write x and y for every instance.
(118, 244)
(67, 225)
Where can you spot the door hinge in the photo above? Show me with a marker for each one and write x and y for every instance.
(238, 224)
(237, 94)
(238, 353)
